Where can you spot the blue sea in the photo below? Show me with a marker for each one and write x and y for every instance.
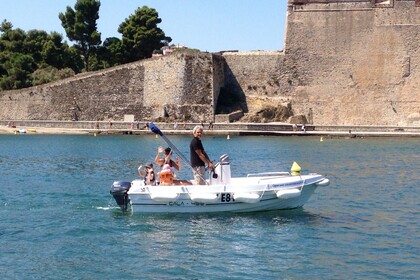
(58, 220)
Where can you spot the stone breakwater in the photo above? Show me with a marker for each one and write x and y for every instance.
(345, 63)
(222, 129)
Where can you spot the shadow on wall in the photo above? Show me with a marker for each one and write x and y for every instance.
(231, 98)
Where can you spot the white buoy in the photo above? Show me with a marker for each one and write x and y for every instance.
(228, 137)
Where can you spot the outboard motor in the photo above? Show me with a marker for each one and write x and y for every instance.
(119, 191)
(222, 169)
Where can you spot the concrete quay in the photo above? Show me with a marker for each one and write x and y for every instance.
(233, 129)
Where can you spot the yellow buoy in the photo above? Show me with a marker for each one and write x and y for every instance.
(156, 136)
(94, 134)
(295, 169)
(321, 140)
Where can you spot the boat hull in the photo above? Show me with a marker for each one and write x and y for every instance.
(220, 198)
(185, 205)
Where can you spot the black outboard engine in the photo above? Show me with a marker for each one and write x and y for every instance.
(119, 191)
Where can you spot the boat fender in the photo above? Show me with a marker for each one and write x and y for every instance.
(164, 196)
(289, 193)
(323, 183)
(204, 197)
(246, 197)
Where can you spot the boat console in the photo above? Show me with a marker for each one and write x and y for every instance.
(222, 169)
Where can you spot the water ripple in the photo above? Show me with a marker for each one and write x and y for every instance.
(58, 219)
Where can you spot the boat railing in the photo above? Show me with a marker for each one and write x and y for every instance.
(269, 174)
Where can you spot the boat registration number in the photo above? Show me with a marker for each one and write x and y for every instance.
(226, 197)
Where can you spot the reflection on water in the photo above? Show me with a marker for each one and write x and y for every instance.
(241, 238)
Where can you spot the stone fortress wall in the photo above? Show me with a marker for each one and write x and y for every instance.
(348, 62)
(357, 62)
(175, 86)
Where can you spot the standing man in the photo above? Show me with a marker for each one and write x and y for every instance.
(199, 157)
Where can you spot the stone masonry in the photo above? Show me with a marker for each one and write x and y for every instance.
(345, 62)
(348, 62)
(178, 87)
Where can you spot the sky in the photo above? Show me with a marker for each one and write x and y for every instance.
(207, 25)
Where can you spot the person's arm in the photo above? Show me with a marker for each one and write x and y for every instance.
(152, 176)
(210, 165)
(159, 161)
(141, 173)
(177, 164)
(204, 157)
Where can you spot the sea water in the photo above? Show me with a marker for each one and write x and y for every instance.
(58, 220)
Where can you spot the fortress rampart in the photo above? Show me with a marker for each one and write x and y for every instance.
(356, 62)
(177, 86)
(344, 63)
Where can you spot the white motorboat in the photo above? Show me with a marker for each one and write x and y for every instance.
(223, 193)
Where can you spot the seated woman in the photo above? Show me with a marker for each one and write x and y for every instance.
(148, 173)
(166, 176)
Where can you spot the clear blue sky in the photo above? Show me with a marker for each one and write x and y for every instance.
(207, 25)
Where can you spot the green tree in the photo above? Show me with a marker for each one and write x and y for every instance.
(15, 65)
(141, 35)
(58, 54)
(5, 28)
(80, 26)
(73, 59)
(16, 70)
(33, 44)
(49, 73)
(23, 53)
(112, 52)
(12, 40)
